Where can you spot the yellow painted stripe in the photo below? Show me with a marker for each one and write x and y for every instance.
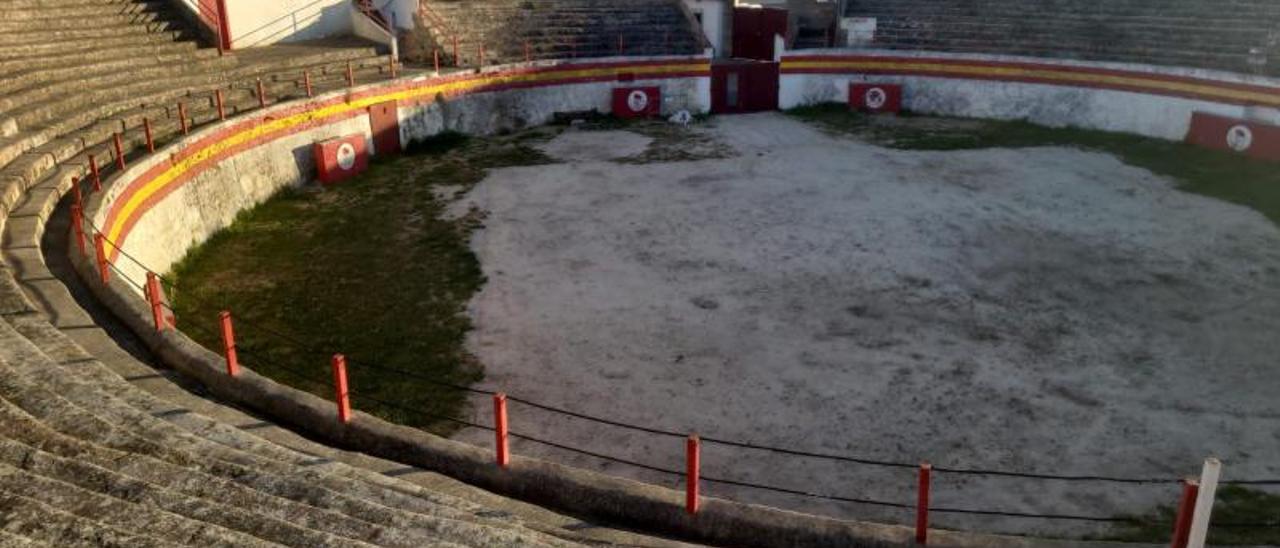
(429, 91)
(1066, 76)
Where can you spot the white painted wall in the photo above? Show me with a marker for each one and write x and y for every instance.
(211, 200)
(716, 21)
(1151, 115)
(263, 22)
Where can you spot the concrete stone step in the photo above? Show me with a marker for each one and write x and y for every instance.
(83, 22)
(158, 462)
(155, 30)
(49, 525)
(126, 515)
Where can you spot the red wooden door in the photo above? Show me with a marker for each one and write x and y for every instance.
(744, 86)
(385, 124)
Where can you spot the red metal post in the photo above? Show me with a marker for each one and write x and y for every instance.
(100, 247)
(77, 226)
(118, 142)
(456, 62)
(93, 172)
(435, 59)
(182, 116)
(527, 56)
(922, 504)
(480, 62)
(341, 396)
(224, 27)
(229, 343)
(77, 198)
(501, 449)
(262, 95)
(351, 75)
(1186, 507)
(151, 141)
(692, 464)
(306, 82)
(153, 297)
(222, 108)
(394, 71)
(620, 44)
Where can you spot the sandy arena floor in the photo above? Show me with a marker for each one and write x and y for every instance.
(1042, 309)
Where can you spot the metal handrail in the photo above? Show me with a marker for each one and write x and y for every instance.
(435, 20)
(366, 7)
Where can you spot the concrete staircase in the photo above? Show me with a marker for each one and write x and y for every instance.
(1195, 33)
(552, 29)
(98, 445)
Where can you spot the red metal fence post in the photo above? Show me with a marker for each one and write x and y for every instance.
(153, 297)
(435, 59)
(118, 143)
(456, 62)
(527, 56)
(77, 225)
(620, 44)
(100, 247)
(151, 141)
(93, 172)
(229, 343)
(480, 62)
(692, 465)
(341, 396)
(224, 26)
(262, 95)
(182, 117)
(394, 71)
(351, 75)
(222, 108)
(306, 82)
(77, 198)
(501, 449)
(922, 504)
(1186, 507)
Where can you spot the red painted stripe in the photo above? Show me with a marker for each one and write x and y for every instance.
(1154, 77)
(216, 136)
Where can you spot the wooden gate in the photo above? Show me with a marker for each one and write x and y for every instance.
(385, 124)
(754, 29)
(744, 86)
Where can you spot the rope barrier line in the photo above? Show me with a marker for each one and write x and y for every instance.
(293, 341)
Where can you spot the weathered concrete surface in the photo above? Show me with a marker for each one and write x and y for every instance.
(1041, 309)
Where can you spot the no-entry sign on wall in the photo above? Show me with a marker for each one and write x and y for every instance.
(341, 158)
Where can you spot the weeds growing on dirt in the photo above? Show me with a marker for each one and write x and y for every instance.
(368, 268)
(1219, 174)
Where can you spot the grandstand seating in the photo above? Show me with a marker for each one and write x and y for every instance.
(1195, 33)
(553, 29)
(98, 447)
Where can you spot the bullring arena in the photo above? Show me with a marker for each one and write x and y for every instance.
(658, 273)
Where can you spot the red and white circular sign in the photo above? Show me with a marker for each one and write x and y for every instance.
(637, 100)
(875, 98)
(346, 156)
(1240, 138)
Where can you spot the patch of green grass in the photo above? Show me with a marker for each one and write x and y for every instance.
(1219, 174)
(368, 268)
(1234, 506)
